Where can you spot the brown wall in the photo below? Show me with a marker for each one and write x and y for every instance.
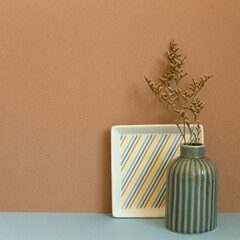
(69, 70)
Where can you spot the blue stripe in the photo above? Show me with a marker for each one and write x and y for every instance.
(126, 147)
(160, 197)
(164, 159)
(160, 171)
(121, 137)
(159, 193)
(153, 159)
(146, 165)
(136, 162)
(129, 150)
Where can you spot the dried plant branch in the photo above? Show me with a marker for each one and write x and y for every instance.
(183, 102)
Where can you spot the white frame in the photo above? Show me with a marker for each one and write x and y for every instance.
(116, 132)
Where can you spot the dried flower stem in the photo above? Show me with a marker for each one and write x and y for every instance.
(181, 101)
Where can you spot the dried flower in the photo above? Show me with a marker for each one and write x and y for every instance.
(181, 101)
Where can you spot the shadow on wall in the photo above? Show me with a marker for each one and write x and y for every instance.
(106, 172)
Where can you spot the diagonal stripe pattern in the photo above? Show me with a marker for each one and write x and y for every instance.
(144, 161)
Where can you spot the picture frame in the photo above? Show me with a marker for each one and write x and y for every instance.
(140, 155)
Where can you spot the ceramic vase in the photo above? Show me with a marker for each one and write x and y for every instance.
(191, 198)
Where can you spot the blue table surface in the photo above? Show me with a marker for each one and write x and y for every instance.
(75, 226)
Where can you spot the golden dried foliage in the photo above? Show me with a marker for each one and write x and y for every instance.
(184, 102)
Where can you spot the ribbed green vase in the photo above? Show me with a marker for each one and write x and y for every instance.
(191, 198)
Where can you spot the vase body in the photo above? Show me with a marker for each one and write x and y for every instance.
(191, 198)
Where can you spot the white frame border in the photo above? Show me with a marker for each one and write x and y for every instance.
(116, 132)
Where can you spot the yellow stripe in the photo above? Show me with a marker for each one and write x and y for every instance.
(141, 168)
(165, 169)
(164, 180)
(123, 139)
(159, 161)
(153, 198)
(142, 164)
(131, 160)
(131, 151)
(126, 142)
(132, 156)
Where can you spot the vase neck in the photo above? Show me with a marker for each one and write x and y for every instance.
(192, 151)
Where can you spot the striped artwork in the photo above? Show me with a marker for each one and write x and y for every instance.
(144, 161)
